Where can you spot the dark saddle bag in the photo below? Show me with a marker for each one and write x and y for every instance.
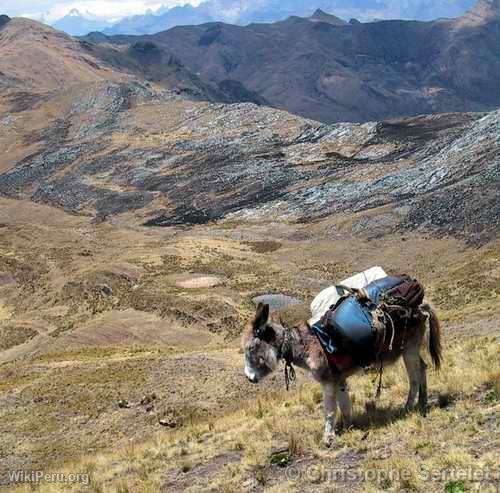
(348, 332)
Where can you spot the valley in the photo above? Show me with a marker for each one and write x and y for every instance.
(143, 209)
(99, 318)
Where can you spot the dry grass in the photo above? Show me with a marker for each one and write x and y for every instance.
(263, 246)
(14, 335)
(58, 400)
(460, 432)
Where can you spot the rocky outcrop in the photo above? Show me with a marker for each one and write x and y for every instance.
(483, 12)
(127, 148)
(120, 146)
(322, 16)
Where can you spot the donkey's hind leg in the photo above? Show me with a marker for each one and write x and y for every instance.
(422, 393)
(412, 362)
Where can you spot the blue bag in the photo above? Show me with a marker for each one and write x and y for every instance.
(349, 327)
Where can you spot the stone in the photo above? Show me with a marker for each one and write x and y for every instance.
(198, 282)
(106, 290)
(6, 278)
(276, 301)
(167, 423)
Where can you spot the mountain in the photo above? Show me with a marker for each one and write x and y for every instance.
(4, 19)
(126, 149)
(483, 12)
(322, 68)
(110, 143)
(138, 224)
(268, 11)
(151, 23)
(76, 24)
(321, 16)
(36, 59)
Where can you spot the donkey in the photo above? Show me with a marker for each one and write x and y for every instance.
(266, 342)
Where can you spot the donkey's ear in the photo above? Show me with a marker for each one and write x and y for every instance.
(267, 334)
(261, 316)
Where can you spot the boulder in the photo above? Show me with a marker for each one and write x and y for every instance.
(276, 301)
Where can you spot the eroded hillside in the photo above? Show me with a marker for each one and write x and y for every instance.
(125, 147)
(107, 149)
(137, 227)
(37, 61)
(112, 335)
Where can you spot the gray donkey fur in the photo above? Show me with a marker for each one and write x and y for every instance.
(267, 341)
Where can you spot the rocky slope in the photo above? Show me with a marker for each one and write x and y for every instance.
(99, 313)
(333, 71)
(125, 147)
(80, 134)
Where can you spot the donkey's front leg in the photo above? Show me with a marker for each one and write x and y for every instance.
(345, 405)
(330, 391)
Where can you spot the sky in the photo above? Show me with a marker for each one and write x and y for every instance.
(112, 10)
(104, 9)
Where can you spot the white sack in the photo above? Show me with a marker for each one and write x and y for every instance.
(330, 296)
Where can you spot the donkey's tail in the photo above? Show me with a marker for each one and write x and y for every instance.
(435, 347)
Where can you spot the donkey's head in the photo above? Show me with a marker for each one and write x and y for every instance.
(261, 343)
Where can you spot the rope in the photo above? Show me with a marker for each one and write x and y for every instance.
(379, 325)
(393, 331)
(287, 355)
(379, 388)
(403, 339)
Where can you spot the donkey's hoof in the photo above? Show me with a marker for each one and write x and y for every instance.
(347, 427)
(329, 440)
(371, 407)
(423, 410)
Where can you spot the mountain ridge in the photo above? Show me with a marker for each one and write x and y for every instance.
(28, 47)
(76, 24)
(335, 71)
(142, 218)
(270, 11)
(482, 12)
(322, 16)
(4, 19)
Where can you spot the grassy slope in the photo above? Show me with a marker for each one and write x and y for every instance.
(59, 403)
(222, 454)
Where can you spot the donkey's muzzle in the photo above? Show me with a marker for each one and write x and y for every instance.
(251, 376)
